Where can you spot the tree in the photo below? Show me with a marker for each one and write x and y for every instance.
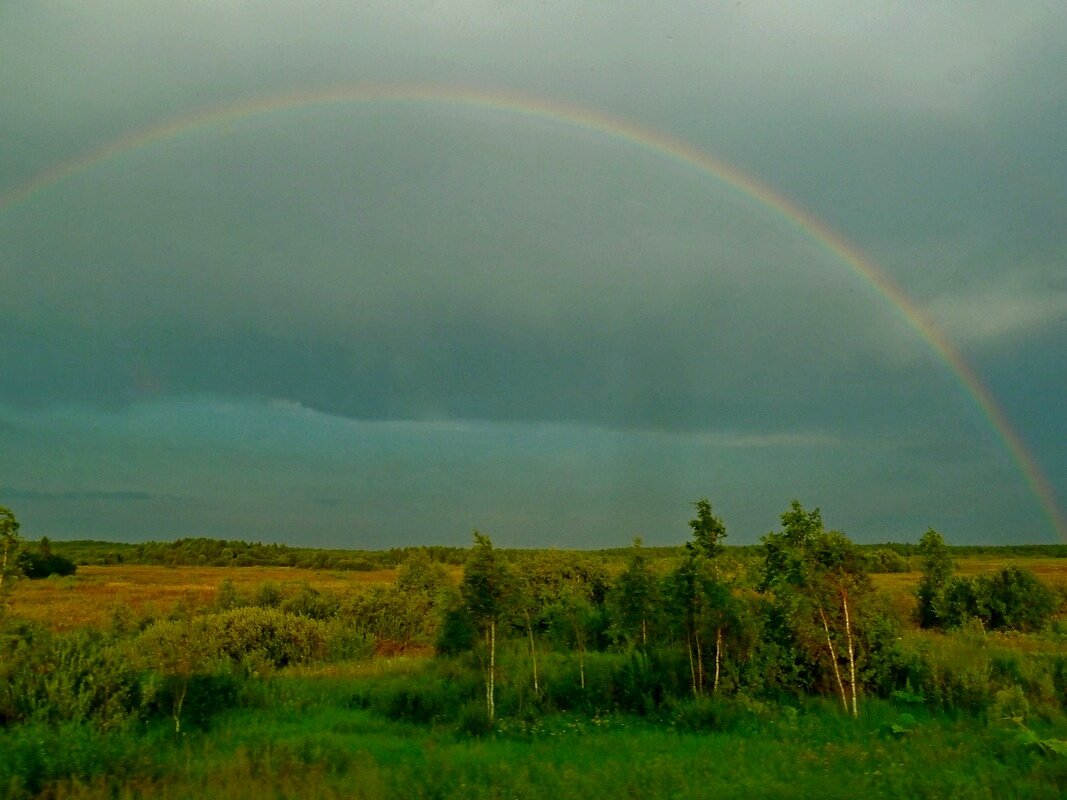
(699, 599)
(9, 544)
(813, 574)
(562, 595)
(708, 530)
(1015, 599)
(635, 598)
(937, 571)
(487, 590)
(43, 562)
(684, 591)
(840, 569)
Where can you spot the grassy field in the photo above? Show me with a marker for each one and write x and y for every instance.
(982, 715)
(95, 594)
(308, 742)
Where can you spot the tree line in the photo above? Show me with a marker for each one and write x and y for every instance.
(800, 619)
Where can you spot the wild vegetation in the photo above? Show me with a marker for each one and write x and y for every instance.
(783, 670)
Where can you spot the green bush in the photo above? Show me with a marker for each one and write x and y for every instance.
(241, 635)
(82, 676)
(42, 565)
(312, 603)
(1014, 599)
(1010, 599)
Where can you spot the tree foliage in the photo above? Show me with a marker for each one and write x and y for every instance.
(1010, 599)
(9, 546)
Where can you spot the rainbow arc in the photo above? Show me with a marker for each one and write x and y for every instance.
(663, 145)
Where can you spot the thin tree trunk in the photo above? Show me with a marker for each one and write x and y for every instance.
(644, 632)
(176, 711)
(533, 653)
(491, 699)
(833, 659)
(692, 665)
(851, 651)
(700, 662)
(3, 564)
(718, 658)
(579, 642)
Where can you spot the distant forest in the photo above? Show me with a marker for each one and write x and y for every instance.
(885, 557)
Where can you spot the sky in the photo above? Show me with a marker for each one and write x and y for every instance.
(378, 274)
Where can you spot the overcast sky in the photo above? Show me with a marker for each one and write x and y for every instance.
(369, 324)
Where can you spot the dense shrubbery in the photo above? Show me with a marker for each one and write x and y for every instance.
(1010, 599)
(42, 562)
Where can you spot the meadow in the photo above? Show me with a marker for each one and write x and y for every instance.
(98, 594)
(680, 673)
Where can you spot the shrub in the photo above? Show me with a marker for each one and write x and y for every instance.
(79, 676)
(42, 565)
(1015, 599)
(886, 560)
(265, 634)
(312, 603)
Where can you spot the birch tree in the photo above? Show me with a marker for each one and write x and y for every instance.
(9, 547)
(635, 600)
(487, 590)
(813, 575)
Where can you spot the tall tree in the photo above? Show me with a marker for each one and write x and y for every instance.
(937, 569)
(684, 589)
(813, 575)
(487, 590)
(635, 599)
(9, 544)
(699, 599)
(708, 529)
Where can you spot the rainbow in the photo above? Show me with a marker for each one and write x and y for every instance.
(661, 144)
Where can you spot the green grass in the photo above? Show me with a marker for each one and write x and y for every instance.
(309, 741)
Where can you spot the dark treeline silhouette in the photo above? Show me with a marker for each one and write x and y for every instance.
(201, 551)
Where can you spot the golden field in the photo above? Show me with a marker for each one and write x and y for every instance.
(96, 595)
(1052, 571)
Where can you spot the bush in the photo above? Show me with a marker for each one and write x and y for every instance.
(312, 603)
(1010, 599)
(886, 560)
(80, 676)
(42, 565)
(1014, 599)
(265, 635)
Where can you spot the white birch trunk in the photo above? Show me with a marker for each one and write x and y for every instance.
(851, 652)
(533, 654)
(718, 658)
(491, 698)
(692, 665)
(700, 663)
(833, 659)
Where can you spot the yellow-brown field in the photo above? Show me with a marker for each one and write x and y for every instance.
(97, 594)
(94, 595)
(1052, 571)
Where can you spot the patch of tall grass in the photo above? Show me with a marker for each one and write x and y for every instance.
(310, 743)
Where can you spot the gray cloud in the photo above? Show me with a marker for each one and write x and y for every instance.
(11, 493)
(436, 266)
